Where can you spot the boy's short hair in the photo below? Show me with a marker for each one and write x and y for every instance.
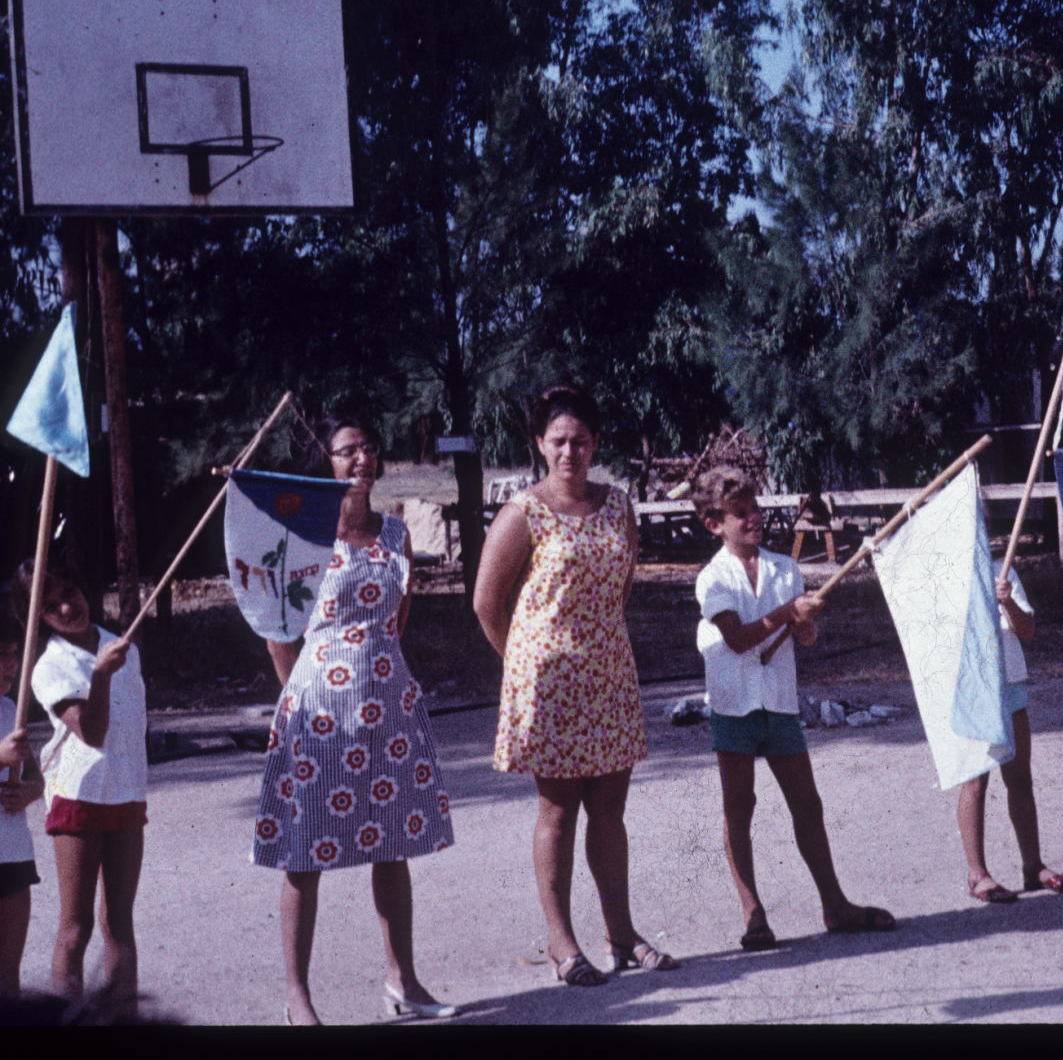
(713, 489)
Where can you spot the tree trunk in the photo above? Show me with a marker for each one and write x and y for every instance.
(467, 467)
(82, 541)
(643, 481)
(109, 279)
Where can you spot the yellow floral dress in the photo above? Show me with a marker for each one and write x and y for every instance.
(570, 697)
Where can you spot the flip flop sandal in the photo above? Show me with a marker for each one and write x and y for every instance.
(758, 938)
(1033, 882)
(869, 919)
(995, 895)
(578, 971)
(641, 955)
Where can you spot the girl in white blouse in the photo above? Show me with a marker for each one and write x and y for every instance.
(95, 771)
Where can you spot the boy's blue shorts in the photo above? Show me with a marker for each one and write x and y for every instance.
(1016, 697)
(763, 732)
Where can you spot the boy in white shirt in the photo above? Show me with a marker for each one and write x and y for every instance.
(748, 597)
(1016, 624)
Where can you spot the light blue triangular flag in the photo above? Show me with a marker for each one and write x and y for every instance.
(50, 415)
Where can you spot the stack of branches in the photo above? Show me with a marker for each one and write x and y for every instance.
(733, 446)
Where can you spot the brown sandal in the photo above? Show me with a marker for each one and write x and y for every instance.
(1031, 881)
(640, 955)
(995, 895)
(577, 971)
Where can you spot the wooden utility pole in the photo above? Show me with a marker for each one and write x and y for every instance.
(109, 285)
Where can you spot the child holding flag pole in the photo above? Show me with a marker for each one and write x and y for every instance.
(746, 595)
(1017, 624)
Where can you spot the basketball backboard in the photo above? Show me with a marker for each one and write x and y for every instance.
(181, 106)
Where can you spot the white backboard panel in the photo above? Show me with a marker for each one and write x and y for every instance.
(181, 106)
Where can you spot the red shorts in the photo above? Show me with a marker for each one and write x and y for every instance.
(74, 817)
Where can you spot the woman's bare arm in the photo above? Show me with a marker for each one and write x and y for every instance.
(504, 557)
(283, 657)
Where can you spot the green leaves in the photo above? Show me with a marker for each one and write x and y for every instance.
(298, 594)
(273, 557)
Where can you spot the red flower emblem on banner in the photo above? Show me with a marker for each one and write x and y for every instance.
(370, 835)
(288, 504)
(305, 770)
(369, 593)
(297, 746)
(441, 845)
(422, 773)
(338, 676)
(267, 829)
(356, 758)
(377, 554)
(398, 747)
(383, 790)
(286, 787)
(286, 704)
(371, 713)
(297, 810)
(320, 655)
(323, 725)
(414, 824)
(382, 667)
(328, 609)
(273, 741)
(336, 562)
(326, 850)
(341, 801)
(355, 634)
(391, 627)
(443, 802)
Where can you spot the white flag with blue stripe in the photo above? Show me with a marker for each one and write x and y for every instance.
(937, 576)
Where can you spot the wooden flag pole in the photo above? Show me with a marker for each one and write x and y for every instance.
(1035, 463)
(40, 564)
(866, 549)
(241, 460)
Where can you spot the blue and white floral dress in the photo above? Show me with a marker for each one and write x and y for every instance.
(351, 773)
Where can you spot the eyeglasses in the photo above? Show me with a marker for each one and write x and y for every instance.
(365, 449)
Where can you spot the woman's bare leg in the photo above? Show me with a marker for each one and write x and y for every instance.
(553, 852)
(393, 896)
(298, 916)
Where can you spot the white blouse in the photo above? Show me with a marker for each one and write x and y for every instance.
(115, 773)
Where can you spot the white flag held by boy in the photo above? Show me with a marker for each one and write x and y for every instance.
(937, 576)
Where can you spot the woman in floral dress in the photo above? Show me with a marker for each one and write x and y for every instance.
(570, 711)
(351, 773)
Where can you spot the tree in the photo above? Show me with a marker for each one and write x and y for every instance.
(911, 264)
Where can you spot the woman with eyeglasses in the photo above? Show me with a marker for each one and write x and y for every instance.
(351, 774)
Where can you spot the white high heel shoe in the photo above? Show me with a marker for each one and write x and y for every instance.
(397, 1005)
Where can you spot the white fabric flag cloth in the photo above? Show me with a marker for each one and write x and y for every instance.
(937, 576)
(279, 536)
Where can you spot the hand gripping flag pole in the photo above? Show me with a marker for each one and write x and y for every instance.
(50, 417)
(241, 460)
(866, 549)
